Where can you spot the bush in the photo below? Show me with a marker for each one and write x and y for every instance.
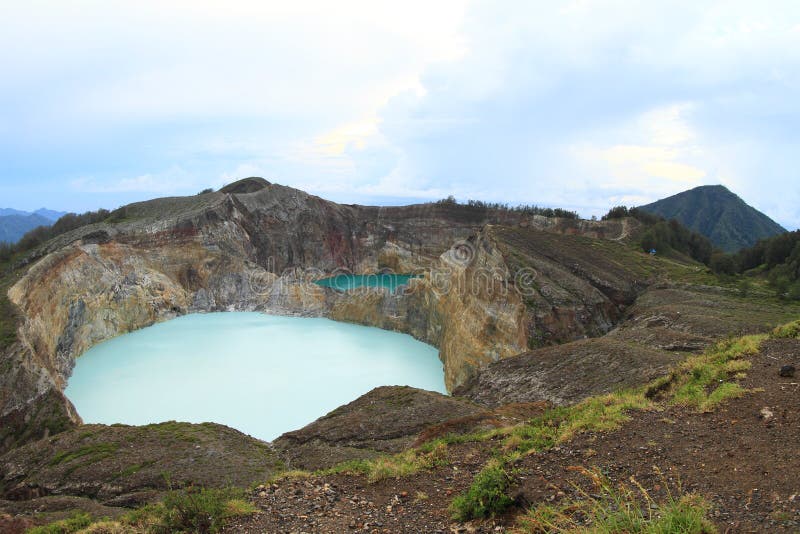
(200, 510)
(486, 497)
(77, 522)
(617, 212)
(723, 263)
(789, 330)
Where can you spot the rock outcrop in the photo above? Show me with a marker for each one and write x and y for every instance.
(102, 462)
(387, 419)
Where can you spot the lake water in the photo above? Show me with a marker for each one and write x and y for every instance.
(261, 374)
(345, 282)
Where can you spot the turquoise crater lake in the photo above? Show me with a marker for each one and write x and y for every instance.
(346, 282)
(261, 374)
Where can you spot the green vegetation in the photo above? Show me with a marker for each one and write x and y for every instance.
(701, 381)
(611, 509)
(75, 523)
(195, 510)
(525, 209)
(94, 452)
(486, 497)
(788, 330)
(776, 259)
(716, 213)
(392, 466)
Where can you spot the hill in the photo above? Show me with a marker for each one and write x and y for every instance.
(718, 214)
(13, 227)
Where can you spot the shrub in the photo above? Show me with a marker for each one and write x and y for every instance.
(77, 522)
(200, 510)
(486, 497)
(723, 263)
(789, 330)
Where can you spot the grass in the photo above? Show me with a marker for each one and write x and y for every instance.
(486, 496)
(702, 382)
(95, 452)
(74, 523)
(789, 330)
(619, 509)
(195, 510)
(394, 466)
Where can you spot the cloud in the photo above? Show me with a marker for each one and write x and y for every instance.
(584, 103)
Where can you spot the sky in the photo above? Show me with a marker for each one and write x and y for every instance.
(577, 104)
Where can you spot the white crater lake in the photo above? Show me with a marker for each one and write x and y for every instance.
(261, 374)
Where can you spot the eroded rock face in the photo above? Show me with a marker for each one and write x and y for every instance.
(259, 247)
(565, 374)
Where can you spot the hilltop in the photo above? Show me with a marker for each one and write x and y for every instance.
(718, 214)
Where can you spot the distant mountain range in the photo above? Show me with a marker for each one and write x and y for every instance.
(720, 215)
(15, 223)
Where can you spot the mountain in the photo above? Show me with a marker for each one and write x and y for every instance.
(718, 214)
(15, 223)
(13, 227)
(50, 214)
(12, 211)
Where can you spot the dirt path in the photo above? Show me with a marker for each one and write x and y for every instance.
(745, 461)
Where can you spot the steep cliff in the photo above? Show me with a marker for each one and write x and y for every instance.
(495, 282)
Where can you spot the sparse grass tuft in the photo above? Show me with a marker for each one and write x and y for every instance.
(595, 414)
(619, 509)
(289, 474)
(398, 465)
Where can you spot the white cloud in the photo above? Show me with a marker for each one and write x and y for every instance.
(582, 103)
